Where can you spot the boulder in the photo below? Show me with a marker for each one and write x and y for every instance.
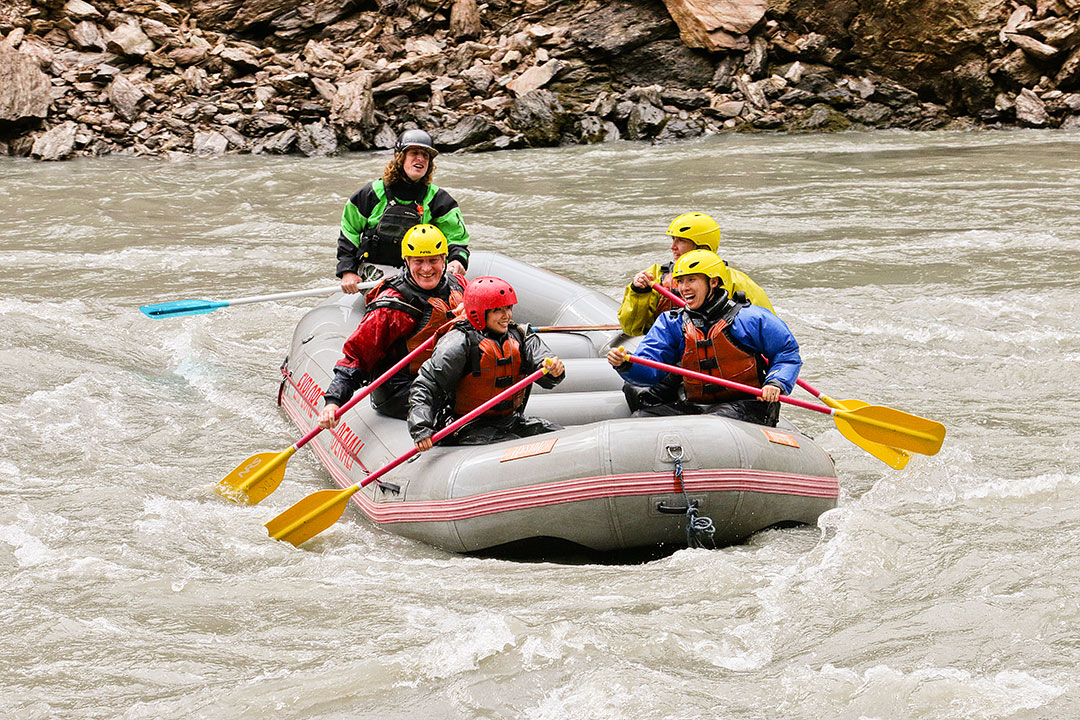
(470, 130)
(25, 91)
(645, 121)
(1016, 70)
(534, 78)
(1030, 109)
(352, 111)
(1068, 78)
(240, 59)
(279, 144)
(819, 118)
(210, 143)
(78, 10)
(539, 116)
(317, 139)
(56, 144)
(87, 36)
(465, 19)
(714, 24)
(1032, 47)
(129, 39)
(125, 97)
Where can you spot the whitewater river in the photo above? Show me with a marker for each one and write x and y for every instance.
(933, 273)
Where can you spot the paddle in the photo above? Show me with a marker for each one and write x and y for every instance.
(891, 456)
(260, 474)
(872, 423)
(177, 308)
(320, 510)
(574, 328)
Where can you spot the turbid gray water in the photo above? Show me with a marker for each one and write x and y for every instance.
(933, 273)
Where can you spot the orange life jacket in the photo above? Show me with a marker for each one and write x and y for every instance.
(494, 368)
(716, 355)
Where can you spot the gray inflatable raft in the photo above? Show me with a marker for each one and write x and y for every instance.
(607, 482)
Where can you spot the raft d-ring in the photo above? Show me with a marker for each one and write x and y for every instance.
(675, 452)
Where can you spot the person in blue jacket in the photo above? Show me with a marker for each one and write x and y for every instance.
(717, 335)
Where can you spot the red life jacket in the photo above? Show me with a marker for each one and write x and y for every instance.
(716, 355)
(495, 367)
(431, 312)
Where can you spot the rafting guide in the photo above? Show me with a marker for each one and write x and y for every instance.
(377, 216)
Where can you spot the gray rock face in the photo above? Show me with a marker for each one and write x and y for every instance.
(353, 110)
(25, 91)
(57, 143)
(318, 139)
(539, 116)
(616, 28)
(471, 130)
(669, 63)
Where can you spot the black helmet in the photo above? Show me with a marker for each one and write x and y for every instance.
(415, 138)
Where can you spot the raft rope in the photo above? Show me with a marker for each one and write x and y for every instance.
(699, 530)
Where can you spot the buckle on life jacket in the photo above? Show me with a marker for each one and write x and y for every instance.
(504, 382)
(708, 363)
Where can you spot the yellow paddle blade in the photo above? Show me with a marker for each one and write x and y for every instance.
(310, 516)
(255, 478)
(893, 428)
(893, 457)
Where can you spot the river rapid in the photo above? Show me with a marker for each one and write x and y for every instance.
(934, 273)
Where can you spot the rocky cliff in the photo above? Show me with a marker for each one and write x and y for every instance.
(146, 77)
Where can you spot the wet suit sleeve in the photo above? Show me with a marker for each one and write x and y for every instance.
(354, 220)
(433, 389)
(664, 343)
(532, 358)
(380, 329)
(446, 215)
(639, 307)
(769, 335)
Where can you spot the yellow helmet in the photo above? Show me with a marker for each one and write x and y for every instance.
(698, 228)
(704, 262)
(423, 241)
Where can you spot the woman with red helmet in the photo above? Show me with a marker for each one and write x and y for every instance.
(478, 358)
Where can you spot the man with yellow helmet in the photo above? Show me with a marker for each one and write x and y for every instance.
(402, 312)
(716, 335)
(642, 304)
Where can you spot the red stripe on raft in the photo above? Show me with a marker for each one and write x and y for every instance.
(604, 486)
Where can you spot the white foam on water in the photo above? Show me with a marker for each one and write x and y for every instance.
(885, 692)
(453, 643)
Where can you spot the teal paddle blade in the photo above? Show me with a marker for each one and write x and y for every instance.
(176, 308)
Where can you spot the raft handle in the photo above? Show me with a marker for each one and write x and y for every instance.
(676, 510)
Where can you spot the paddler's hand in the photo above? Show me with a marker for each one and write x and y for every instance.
(424, 444)
(455, 267)
(643, 280)
(328, 417)
(770, 393)
(555, 366)
(616, 356)
(350, 283)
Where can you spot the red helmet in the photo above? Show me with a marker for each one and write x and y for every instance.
(483, 294)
